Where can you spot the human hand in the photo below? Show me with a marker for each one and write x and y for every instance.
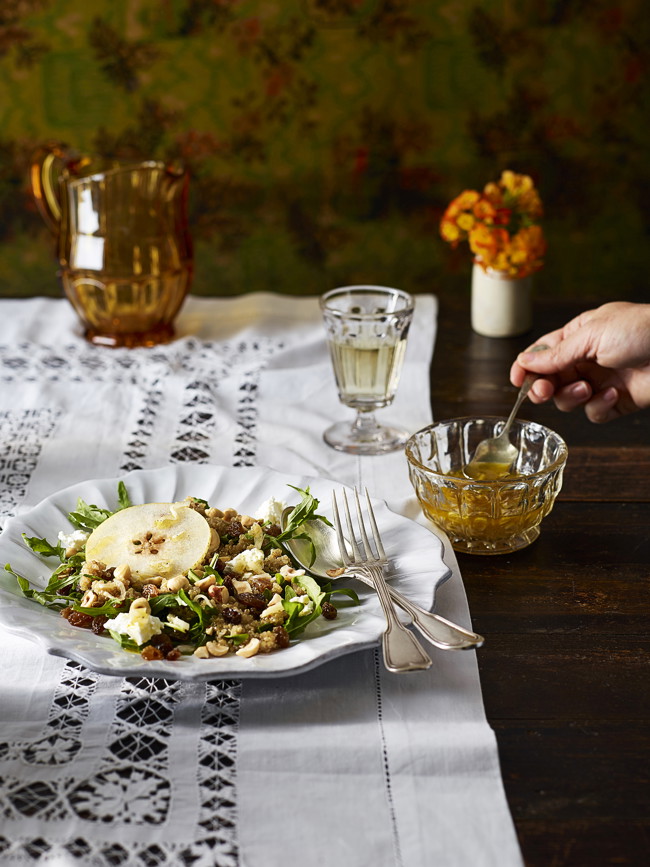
(600, 360)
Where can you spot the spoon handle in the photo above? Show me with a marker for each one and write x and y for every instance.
(442, 633)
(523, 391)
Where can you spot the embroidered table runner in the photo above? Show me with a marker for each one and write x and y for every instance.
(344, 764)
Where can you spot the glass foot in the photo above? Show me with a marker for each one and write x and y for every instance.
(503, 546)
(130, 339)
(365, 440)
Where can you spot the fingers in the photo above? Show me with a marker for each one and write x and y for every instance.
(599, 408)
(555, 357)
(517, 374)
(572, 396)
(559, 357)
(566, 398)
(541, 391)
(519, 370)
(602, 407)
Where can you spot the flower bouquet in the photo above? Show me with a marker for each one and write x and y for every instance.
(501, 225)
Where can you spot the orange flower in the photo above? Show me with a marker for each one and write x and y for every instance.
(494, 194)
(502, 216)
(450, 232)
(465, 221)
(531, 204)
(516, 184)
(501, 225)
(486, 242)
(484, 211)
(466, 200)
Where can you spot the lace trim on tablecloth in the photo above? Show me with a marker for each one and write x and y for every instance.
(131, 784)
(22, 433)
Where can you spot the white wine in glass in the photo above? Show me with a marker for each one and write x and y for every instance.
(368, 372)
(367, 327)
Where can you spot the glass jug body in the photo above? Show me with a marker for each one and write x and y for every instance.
(124, 248)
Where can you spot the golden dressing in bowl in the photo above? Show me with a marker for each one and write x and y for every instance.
(485, 471)
(485, 508)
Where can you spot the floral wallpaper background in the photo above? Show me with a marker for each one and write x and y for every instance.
(326, 137)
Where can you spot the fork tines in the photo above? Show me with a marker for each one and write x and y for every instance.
(367, 555)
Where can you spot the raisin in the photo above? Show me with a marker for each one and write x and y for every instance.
(281, 636)
(252, 600)
(220, 565)
(83, 621)
(97, 625)
(162, 640)
(274, 530)
(76, 618)
(165, 646)
(231, 615)
(329, 611)
(150, 652)
(235, 528)
(260, 584)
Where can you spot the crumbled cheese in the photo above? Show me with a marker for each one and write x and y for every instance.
(257, 534)
(307, 605)
(241, 586)
(138, 624)
(270, 511)
(73, 541)
(289, 572)
(178, 623)
(250, 560)
(273, 609)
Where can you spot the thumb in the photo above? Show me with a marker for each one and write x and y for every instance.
(568, 352)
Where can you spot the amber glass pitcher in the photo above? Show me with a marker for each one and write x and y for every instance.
(124, 247)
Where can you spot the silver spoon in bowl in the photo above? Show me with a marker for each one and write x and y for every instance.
(328, 566)
(495, 455)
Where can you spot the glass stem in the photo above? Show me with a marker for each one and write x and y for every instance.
(365, 424)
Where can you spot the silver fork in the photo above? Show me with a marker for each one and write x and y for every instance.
(402, 651)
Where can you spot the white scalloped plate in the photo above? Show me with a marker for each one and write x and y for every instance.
(416, 555)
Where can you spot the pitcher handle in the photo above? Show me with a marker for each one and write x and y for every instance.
(46, 167)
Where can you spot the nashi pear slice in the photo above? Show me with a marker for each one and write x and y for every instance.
(153, 539)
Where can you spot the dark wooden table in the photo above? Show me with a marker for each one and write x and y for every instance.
(565, 668)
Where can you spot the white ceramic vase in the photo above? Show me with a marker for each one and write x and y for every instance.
(502, 306)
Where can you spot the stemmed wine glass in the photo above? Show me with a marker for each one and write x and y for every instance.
(367, 327)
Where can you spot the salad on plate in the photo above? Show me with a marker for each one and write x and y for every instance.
(168, 580)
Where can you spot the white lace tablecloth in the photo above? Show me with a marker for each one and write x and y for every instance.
(345, 764)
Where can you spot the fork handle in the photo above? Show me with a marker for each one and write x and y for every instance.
(442, 633)
(401, 649)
